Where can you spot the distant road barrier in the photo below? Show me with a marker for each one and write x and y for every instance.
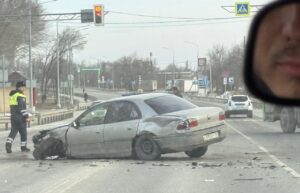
(45, 118)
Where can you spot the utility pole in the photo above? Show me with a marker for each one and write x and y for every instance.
(210, 78)
(57, 66)
(3, 83)
(173, 71)
(70, 74)
(30, 62)
(113, 76)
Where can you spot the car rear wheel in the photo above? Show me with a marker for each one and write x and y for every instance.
(196, 153)
(287, 120)
(146, 148)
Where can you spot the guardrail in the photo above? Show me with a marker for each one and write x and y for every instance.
(256, 104)
(46, 118)
(83, 106)
(6, 121)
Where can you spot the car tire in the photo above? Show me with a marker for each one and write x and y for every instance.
(287, 120)
(146, 148)
(227, 114)
(250, 114)
(196, 153)
(47, 148)
(38, 155)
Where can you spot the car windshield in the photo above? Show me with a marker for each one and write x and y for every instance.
(239, 98)
(168, 104)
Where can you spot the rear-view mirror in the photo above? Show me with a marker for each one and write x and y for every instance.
(272, 59)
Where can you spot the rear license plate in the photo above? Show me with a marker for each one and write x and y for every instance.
(211, 136)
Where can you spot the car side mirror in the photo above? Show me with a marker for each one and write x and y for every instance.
(75, 124)
(272, 57)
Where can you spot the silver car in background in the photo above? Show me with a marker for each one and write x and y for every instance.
(142, 126)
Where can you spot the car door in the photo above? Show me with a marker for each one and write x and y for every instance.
(120, 128)
(86, 138)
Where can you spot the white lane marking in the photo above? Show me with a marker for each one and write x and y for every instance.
(74, 178)
(273, 157)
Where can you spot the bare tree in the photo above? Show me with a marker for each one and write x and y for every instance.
(14, 28)
(69, 39)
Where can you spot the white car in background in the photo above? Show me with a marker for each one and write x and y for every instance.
(239, 104)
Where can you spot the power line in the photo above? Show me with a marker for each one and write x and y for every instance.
(177, 21)
(150, 16)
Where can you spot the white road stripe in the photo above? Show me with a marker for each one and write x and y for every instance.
(74, 178)
(273, 157)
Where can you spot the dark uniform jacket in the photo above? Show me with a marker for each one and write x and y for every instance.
(17, 104)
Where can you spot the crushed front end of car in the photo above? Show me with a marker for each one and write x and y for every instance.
(50, 142)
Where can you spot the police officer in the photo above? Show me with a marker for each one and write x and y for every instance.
(19, 115)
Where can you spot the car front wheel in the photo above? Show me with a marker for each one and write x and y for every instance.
(196, 153)
(146, 148)
(48, 147)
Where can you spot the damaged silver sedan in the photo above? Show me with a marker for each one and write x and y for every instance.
(142, 126)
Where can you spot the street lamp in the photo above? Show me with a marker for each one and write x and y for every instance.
(210, 71)
(196, 45)
(173, 73)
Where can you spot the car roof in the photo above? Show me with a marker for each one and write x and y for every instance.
(239, 96)
(140, 97)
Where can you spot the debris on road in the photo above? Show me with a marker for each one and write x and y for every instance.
(194, 163)
(160, 164)
(209, 180)
(230, 163)
(139, 162)
(247, 179)
(205, 165)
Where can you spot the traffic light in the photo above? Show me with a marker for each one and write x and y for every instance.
(99, 14)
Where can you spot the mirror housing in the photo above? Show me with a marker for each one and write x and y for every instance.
(256, 82)
(75, 124)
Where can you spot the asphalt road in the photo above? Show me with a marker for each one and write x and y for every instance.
(255, 157)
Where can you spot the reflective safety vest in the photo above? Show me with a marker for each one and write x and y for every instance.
(13, 101)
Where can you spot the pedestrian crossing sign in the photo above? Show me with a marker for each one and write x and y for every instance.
(242, 8)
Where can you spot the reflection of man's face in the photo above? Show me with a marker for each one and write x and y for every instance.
(277, 51)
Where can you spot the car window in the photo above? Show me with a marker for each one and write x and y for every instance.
(239, 98)
(122, 111)
(95, 116)
(168, 104)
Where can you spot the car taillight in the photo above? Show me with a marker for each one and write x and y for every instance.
(221, 116)
(193, 123)
(182, 125)
(249, 103)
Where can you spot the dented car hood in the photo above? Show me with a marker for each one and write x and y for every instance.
(58, 131)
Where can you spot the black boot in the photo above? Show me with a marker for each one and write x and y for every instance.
(24, 149)
(8, 147)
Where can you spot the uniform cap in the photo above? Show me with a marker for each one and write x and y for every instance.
(20, 84)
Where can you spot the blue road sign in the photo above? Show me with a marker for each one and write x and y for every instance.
(242, 9)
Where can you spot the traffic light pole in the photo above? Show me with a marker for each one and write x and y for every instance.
(57, 66)
(3, 83)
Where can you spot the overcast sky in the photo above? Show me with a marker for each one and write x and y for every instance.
(112, 41)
